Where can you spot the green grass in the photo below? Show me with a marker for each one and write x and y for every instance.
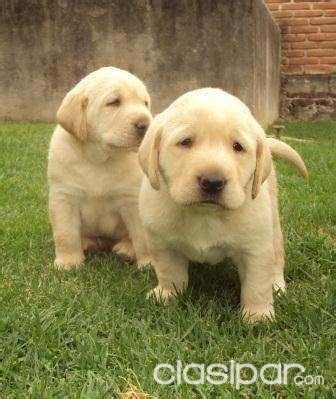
(91, 333)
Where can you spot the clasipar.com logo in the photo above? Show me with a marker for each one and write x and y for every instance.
(237, 374)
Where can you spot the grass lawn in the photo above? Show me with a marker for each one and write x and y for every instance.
(91, 333)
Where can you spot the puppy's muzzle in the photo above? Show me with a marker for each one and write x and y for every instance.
(212, 184)
(141, 127)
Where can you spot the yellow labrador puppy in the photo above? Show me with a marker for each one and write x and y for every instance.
(93, 170)
(211, 193)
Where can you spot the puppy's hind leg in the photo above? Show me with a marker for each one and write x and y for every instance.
(114, 237)
(124, 249)
(96, 244)
(90, 244)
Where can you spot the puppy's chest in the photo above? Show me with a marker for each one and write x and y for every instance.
(97, 183)
(105, 181)
(202, 239)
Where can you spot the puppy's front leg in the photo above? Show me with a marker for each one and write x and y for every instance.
(256, 277)
(65, 220)
(172, 273)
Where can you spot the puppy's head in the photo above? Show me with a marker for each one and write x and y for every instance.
(110, 106)
(206, 148)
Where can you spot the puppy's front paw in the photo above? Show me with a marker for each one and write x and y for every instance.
(253, 314)
(162, 295)
(124, 249)
(69, 262)
(279, 285)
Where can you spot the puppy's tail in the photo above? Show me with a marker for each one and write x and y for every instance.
(285, 151)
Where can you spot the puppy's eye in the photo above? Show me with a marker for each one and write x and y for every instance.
(238, 147)
(146, 103)
(114, 103)
(187, 142)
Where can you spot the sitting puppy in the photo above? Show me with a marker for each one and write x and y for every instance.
(211, 193)
(93, 172)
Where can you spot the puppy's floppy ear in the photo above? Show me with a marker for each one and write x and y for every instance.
(263, 164)
(71, 115)
(149, 151)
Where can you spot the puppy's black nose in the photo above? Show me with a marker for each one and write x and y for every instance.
(211, 184)
(141, 128)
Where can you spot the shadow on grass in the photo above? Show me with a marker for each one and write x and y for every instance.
(218, 283)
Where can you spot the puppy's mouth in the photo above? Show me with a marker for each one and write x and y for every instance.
(210, 202)
(215, 202)
(122, 141)
(131, 147)
(132, 144)
(211, 205)
(214, 198)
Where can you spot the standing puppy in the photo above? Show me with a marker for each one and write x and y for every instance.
(93, 170)
(210, 194)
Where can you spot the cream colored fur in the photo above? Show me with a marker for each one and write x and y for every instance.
(93, 170)
(242, 222)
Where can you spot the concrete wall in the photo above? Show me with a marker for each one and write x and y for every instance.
(46, 46)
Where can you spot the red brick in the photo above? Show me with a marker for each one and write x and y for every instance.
(294, 37)
(293, 6)
(317, 69)
(321, 52)
(330, 13)
(273, 7)
(330, 44)
(325, 6)
(322, 36)
(305, 45)
(284, 29)
(308, 35)
(304, 29)
(282, 14)
(293, 21)
(285, 46)
(323, 21)
(328, 60)
(328, 28)
(303, 61)
(294, 53)
(305, 1)
(308, 13)
(291, 69)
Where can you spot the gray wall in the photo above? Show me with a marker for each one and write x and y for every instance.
(46, 46)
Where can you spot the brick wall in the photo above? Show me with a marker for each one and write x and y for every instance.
(308, 35)
(308, 32)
